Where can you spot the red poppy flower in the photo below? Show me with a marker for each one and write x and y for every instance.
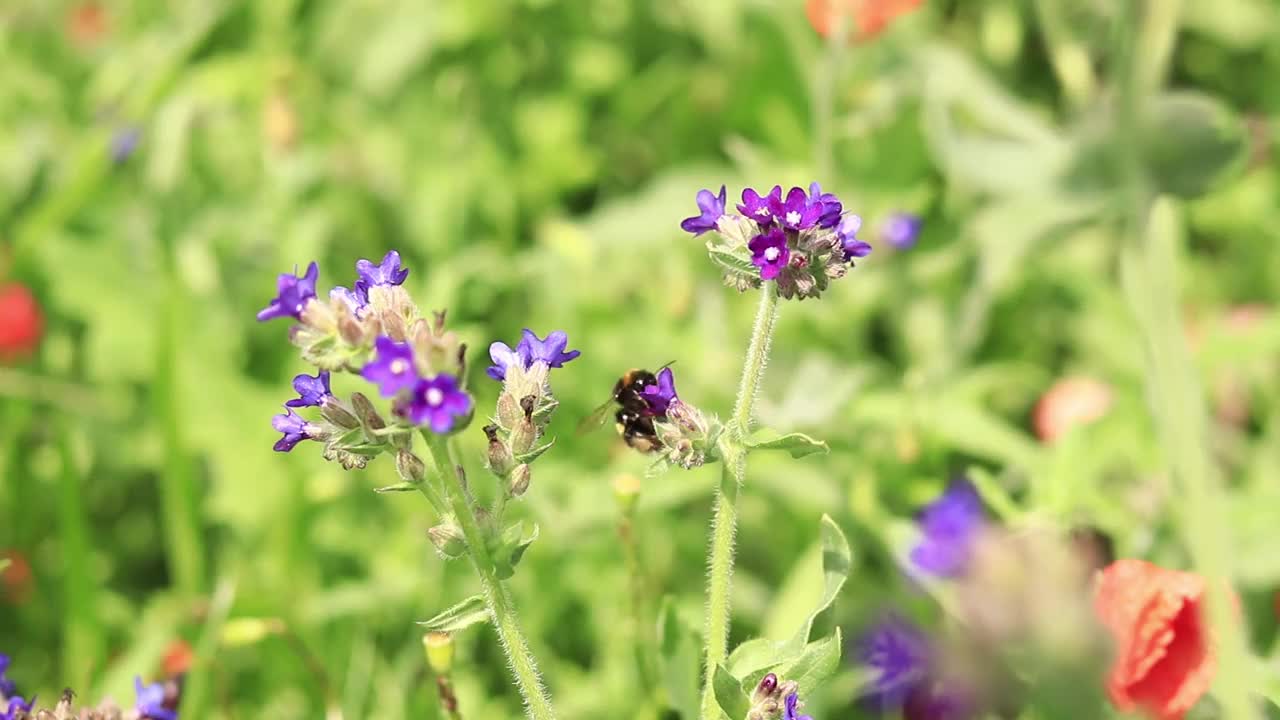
(21, 323)
(15, 580)
(869, 17)
(1164, 660)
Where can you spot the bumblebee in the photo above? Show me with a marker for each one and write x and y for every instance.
(635, 415)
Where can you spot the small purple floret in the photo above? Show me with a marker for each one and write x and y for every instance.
(792, 710)
(437, 403)
(901, 230)
(660, 396)
(829, 206)
(899, 652)
(770, 253)
(292, 294)
(349, 298)
(312, 391)
(392, 368)
(759, 208)
(7, 687)
(712, 207)
(124, 142)
(530, 350)
(847, 231)
(17, 705)
(387, 272)
(950, 525)
(150, 705)
(294, 428)
(796, 212)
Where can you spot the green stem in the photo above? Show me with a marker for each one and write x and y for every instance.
(523, 667)
(720, 575)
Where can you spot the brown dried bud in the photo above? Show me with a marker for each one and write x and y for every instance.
(338, 414)
(368, 415)
(410, 467)
(500, 458)
(520, 478)
(508, 411)
(448, 539)
(523, 436)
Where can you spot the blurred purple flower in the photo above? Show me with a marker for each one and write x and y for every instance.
(769, 252)
(17, 706)
(847, 230)
(901, 230)
(829, 206)
(660, 396)
(292, 294)
(124, 142)
(950, 525)
(796, 212)
(7, 687)
(531, 349)
(759, 208)
(312, 391)
(392, 368)
(792, 709)
(294, 428)
(150, 705)
(437, 402)
(899, 653)
(712, 207)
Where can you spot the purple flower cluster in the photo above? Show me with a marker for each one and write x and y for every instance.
(293, 292)
(17, 708)
(386, 273)
(950, 525)
(151, 702)
(436, 402)
(661, 395)
(797, 211)
(528, 351)
(312, 392)
(906, 679)
(7, 687)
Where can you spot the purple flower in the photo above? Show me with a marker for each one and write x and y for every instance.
(759, 208)
(437, 402)
(150, 705)
(847, 231)
(769, 252)
(352, 300)
(387, 272)
(294, 428)
(950, 525)
(292, 294)
(661, 396)
(712, 207)
(7, 687)
(530, 350)
(17, 705)
(829, 206)
(901, 230)
(792, 710)
(393, 369)
(312, 391)
(124, 142)
(899, 653)
(795, 213)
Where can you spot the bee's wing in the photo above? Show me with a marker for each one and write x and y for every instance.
(596, 419)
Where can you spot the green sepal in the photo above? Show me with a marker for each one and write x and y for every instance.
(459, 617)
(534, 453)
(511, 547)
(798, 444)
(397, 488)
(730, 695)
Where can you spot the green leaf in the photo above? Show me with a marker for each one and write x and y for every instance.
(459, 617)
(729, 694)
(732, 262)
(1192, 143)
(798, 444)
(511, 548)
(679, 653)
(819, 661)
(533, 454)
(397, 488)
(756, 656)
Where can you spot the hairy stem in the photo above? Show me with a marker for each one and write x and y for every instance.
(720, 565)
(523, 667)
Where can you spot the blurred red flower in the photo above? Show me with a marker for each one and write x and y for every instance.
(177, 658)
(15, 580)
(869, 17)
(21, 323)
(1164, 660)
(87, 23)
(1070, 402)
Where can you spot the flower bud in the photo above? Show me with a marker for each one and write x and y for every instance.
(508, 411)
(520, 480)
(523, 436)
(410, 467)
(626, 489)
(239, 632)
(500, 458)
(767, 688)
(448, 539)
(368, 415)
(338, 414)
(350, 329)
(439, 650)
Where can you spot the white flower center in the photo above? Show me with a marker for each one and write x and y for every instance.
(771, 254)
(399, 367)
(763, 212)
(434, 396)
(793, 218)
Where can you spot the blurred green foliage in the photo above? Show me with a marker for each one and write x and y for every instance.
(532, 159)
